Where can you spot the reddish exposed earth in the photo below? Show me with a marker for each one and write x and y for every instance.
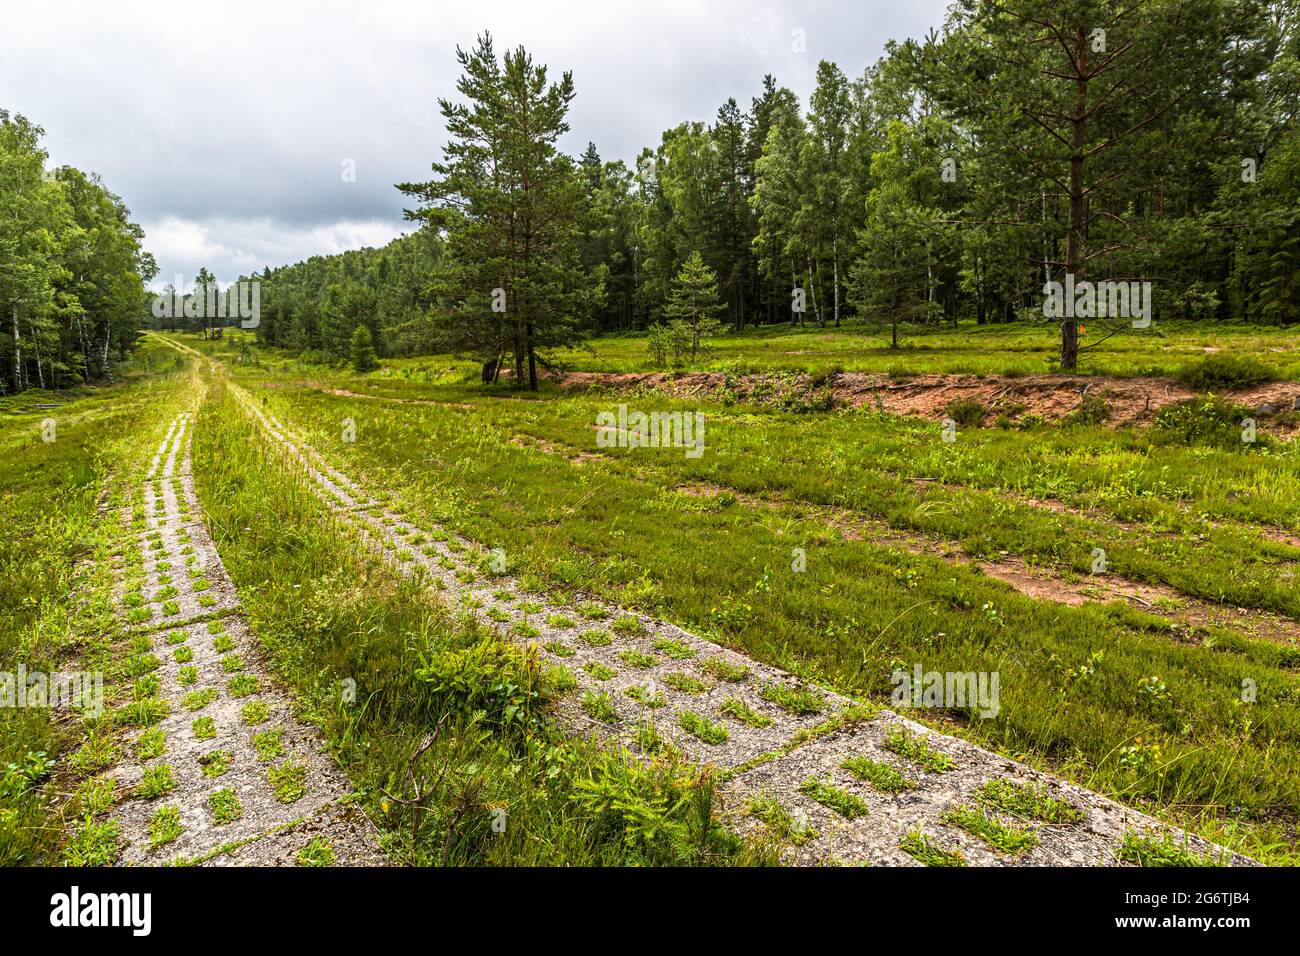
(1131, 400)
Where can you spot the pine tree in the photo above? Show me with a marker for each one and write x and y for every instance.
(363, 350)
(828, 174)
(694, 301)
(205, 292)
(512, 207)
(1078, 101)
(777, 203)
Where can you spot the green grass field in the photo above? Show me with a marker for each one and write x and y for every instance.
(1115, 696)
(325, 610)
(1012, 348)
(838, 545)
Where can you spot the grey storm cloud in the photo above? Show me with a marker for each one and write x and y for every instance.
(225, 126)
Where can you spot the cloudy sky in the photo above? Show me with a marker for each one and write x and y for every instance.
(226, 126)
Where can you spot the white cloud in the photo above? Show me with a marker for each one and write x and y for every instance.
(232, 247)
(236, 114)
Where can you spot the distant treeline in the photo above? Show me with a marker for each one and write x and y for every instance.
(72, 271)
(1151, 140)
(315, 306)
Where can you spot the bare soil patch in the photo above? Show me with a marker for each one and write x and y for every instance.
(1132, 401)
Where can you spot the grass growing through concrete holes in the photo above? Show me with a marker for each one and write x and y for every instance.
(675, 650)
(849, 599)
(737, 709)
(156, 782)
(794, 700)
(702, 728)
(637, 659)
(723, 670)
(647, 697)
(834, 798)
(318, 851)
(151, 743)
(599, 671)
(198, 699)
(224, 806)
(783, 824)
(913, 747)
(600, 707)
(268, 744)
(55, 544)
(923, 849)
(882, 776)
(216, 763)
(1003, 838)
(164, 826)
(1027, 801)
(686, 683)
(242, 685)
(568, 801)
(288, 781)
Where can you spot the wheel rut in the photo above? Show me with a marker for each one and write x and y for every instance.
(843, 781)
(216, 769)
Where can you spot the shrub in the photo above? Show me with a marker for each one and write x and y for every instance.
(662, 813)
(1225, 373)
(965, 411)
(499, 679)
(363, 350)
(825, 377)
(674, 344)
(1209, 421)
(318, 357)
(1093, 410)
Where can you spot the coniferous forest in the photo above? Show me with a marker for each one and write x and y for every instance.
(947, 181)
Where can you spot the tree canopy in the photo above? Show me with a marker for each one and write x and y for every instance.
(954, 178)
(72, 269)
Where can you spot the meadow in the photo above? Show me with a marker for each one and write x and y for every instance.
(1130, 699)
(840, 544)
(56, 570)
(888, 458)
(446, 700)
(1016, 348)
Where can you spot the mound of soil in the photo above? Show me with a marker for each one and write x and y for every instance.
(1132, 401)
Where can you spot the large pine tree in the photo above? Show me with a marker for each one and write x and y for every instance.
(512, 208)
